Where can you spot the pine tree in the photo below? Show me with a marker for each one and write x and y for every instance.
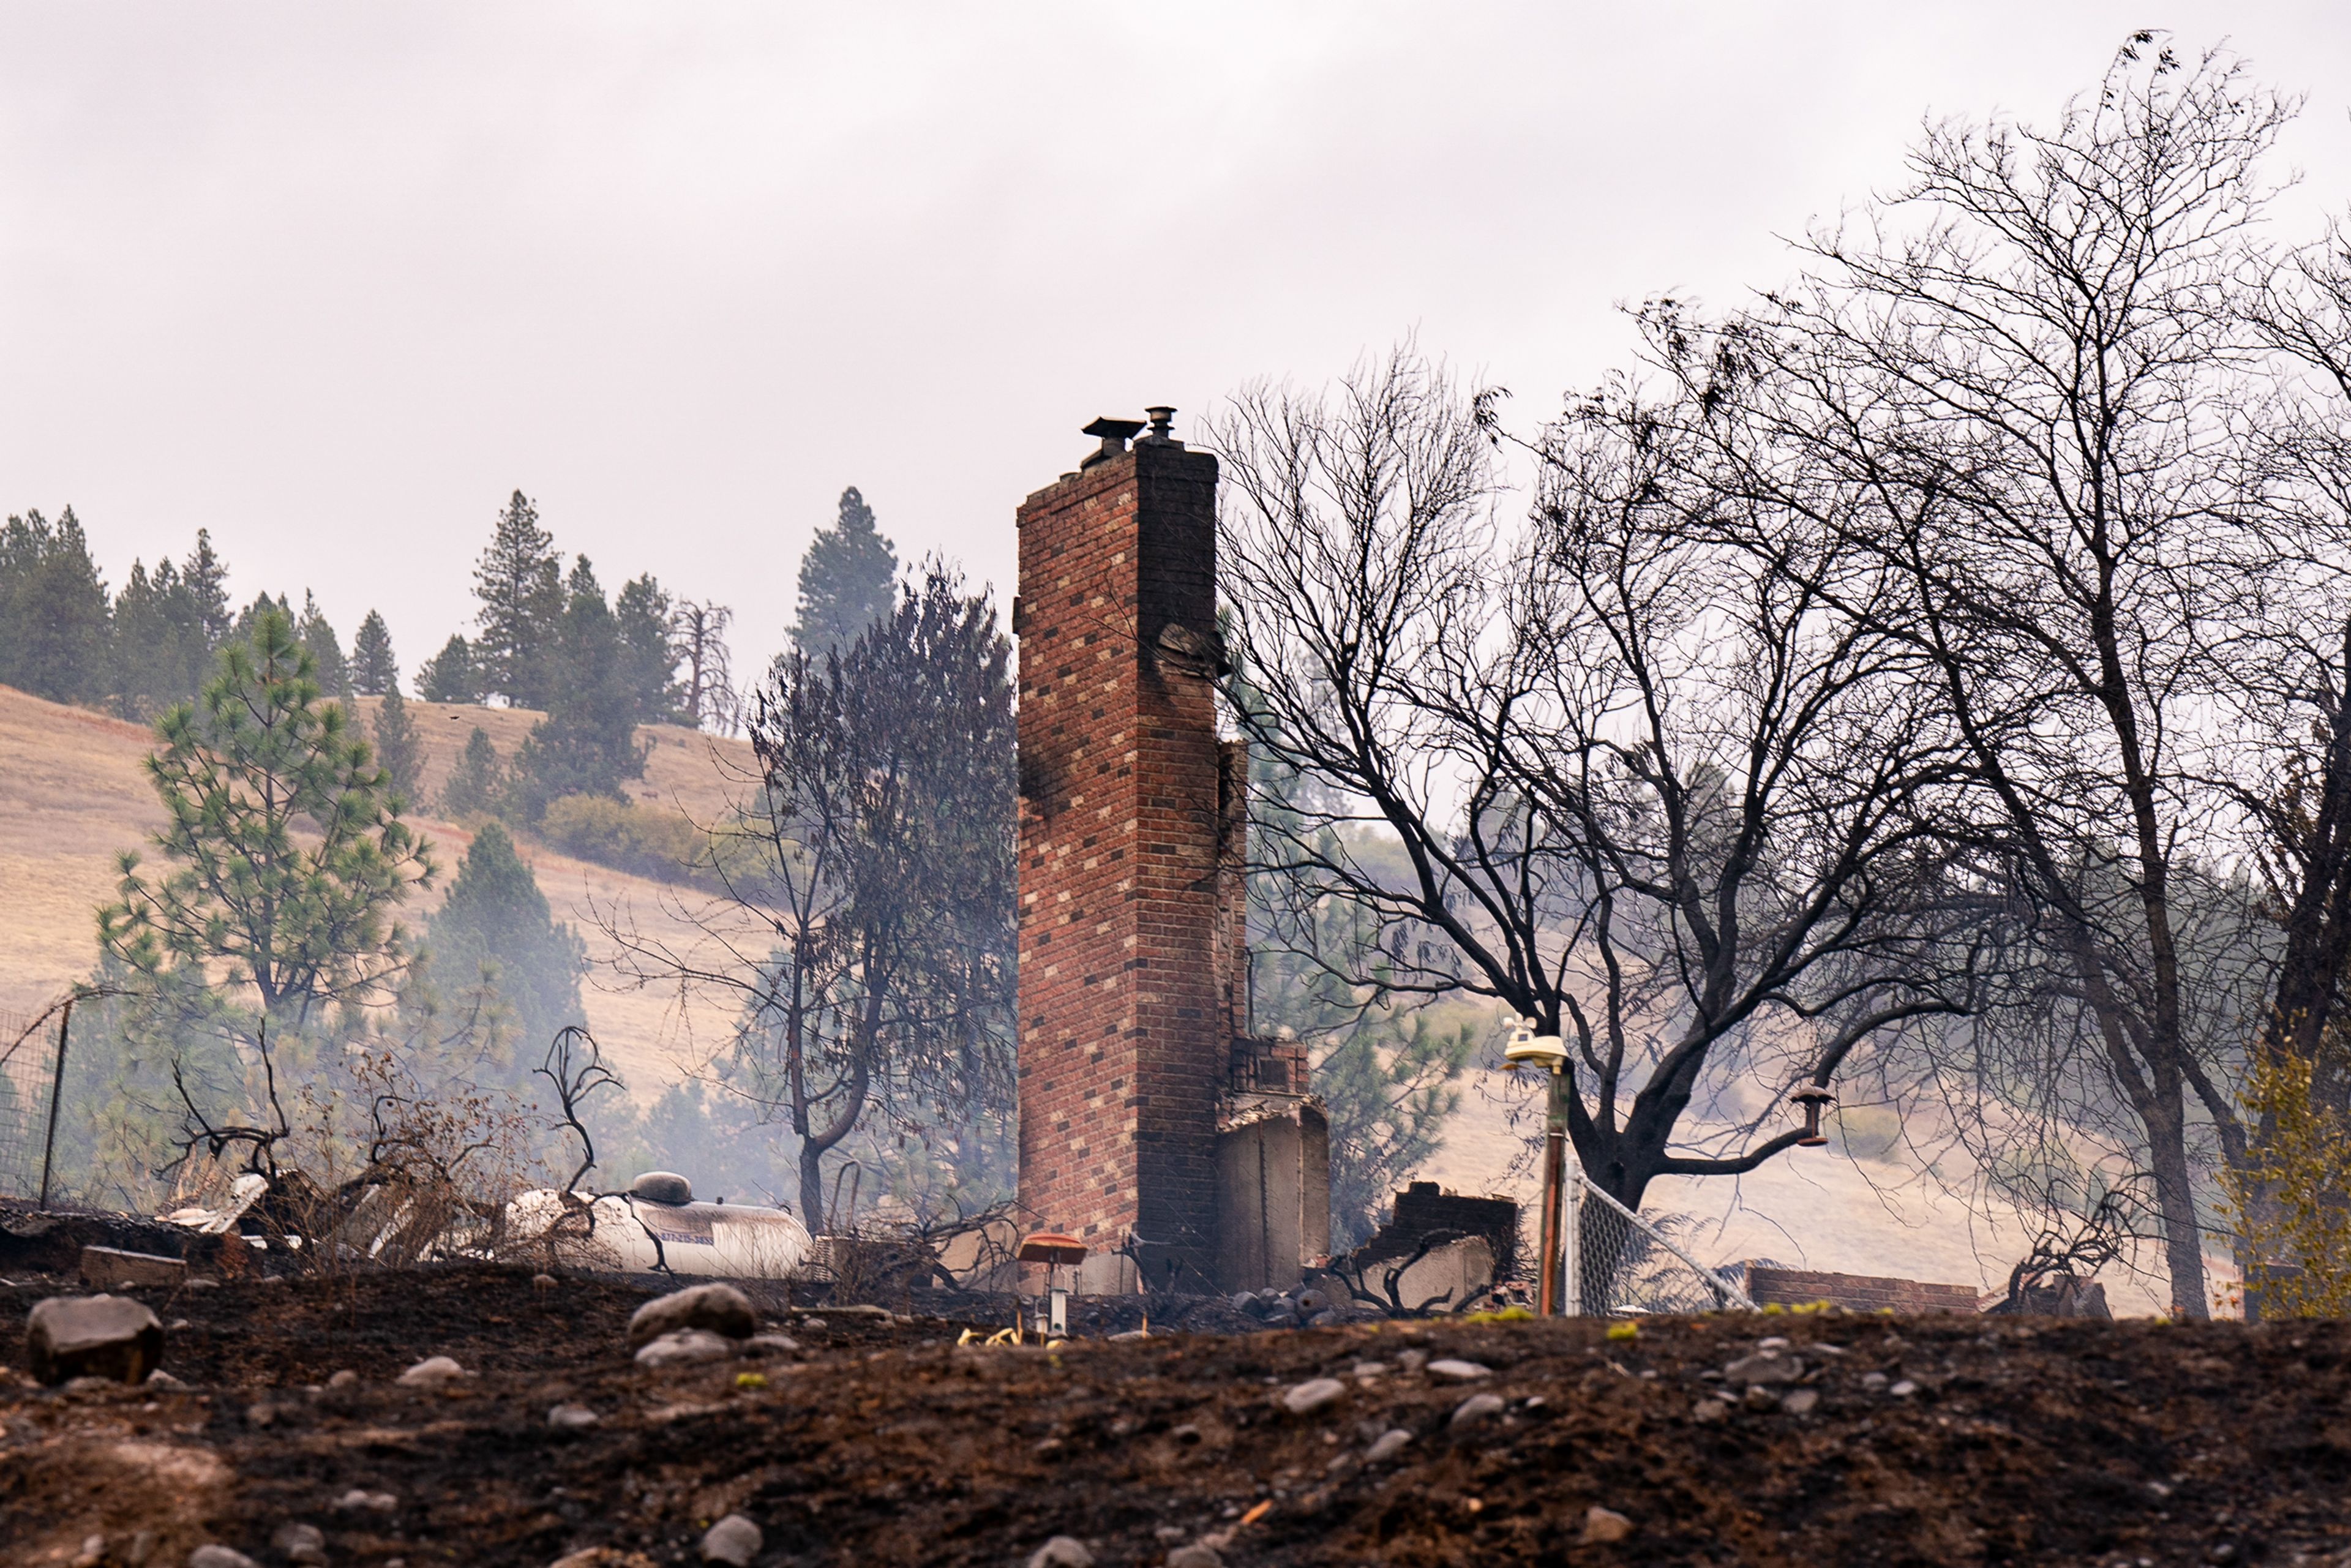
(287, 852)
(375, 673)
(519, 584)
(587, 743)
(478, 783)
(160, 649)
(497, 923)
(141, 630)
(449, 677)
(207, 582)
(249, 619)
(397, 747)
(647, 620)
(319, 639)
(848, 579)
(54, 620)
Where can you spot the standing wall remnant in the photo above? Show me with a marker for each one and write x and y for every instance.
(1135, 1058)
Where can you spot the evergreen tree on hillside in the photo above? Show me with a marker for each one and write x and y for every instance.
(449, 677)
(397, 748)
(587, 743)
(285, 852)
(848, 579)
(497, 923)
(375, 673)
(162, 649)
(647, 620)
(478, 783)
(319, 637)
(518, 580)
(249, 619)
(54, 617)
(207, 578)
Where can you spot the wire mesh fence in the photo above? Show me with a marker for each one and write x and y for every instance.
(28, 1074)
(1619, 1264)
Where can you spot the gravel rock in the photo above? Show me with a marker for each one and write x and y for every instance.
(1413, 1360)
(1459, 1371)
(358, 1500)
(1706, 1412)
(1765, 1366)
(770, 1344)
(1602, 1525)
(1800, 1400)
(304, 1544)
(715, 1308)
(1387, 1445)
(571, 1418)
(159, 1378)
(1312, 1395)
(733, 1541)
(1873, 1382)
(1904, 1389)
(1061, 1551)
(111, 1338)
(346, 1378)
(1199, 1555)
(1371, 1368)
(433, 1372)
(1476, 1408)
(220, 1557)
(685, 1347)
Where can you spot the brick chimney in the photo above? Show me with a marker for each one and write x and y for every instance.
(1128, 902)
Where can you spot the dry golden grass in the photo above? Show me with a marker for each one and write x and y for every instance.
(73, 796)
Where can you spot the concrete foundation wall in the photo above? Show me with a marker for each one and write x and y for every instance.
(1273, 1198)
(1855, 1293)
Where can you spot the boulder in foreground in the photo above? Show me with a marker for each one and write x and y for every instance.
(715, 1308)
(112, 1337)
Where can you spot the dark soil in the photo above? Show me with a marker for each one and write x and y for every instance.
(2023, 1441)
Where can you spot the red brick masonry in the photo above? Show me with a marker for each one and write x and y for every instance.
(1126, 1026)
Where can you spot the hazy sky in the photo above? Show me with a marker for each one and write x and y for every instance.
(333, 280)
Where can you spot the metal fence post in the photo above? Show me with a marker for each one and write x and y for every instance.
(56, 1090)
(1572, 1258)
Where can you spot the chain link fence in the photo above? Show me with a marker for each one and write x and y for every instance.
(1619, 1264)
(29, 1084)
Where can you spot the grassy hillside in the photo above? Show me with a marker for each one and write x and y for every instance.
(73, 796)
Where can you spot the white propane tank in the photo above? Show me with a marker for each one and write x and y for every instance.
(656, 1223)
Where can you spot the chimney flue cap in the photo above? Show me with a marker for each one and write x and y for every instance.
(1114, 433)
(1162, 427)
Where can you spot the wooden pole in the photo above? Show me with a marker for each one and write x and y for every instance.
(1547, 1302)
(56, 1090)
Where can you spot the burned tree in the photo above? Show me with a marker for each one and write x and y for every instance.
(1623, 777)
(865, 930)
(2020, 388)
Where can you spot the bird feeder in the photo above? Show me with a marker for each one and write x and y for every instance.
(1813, 1098)
(1056, 1251)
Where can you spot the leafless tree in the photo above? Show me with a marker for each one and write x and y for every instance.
(2303, 807)
(710, 695)
(575, 1066)
(1640, 785)
(2024, 374)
